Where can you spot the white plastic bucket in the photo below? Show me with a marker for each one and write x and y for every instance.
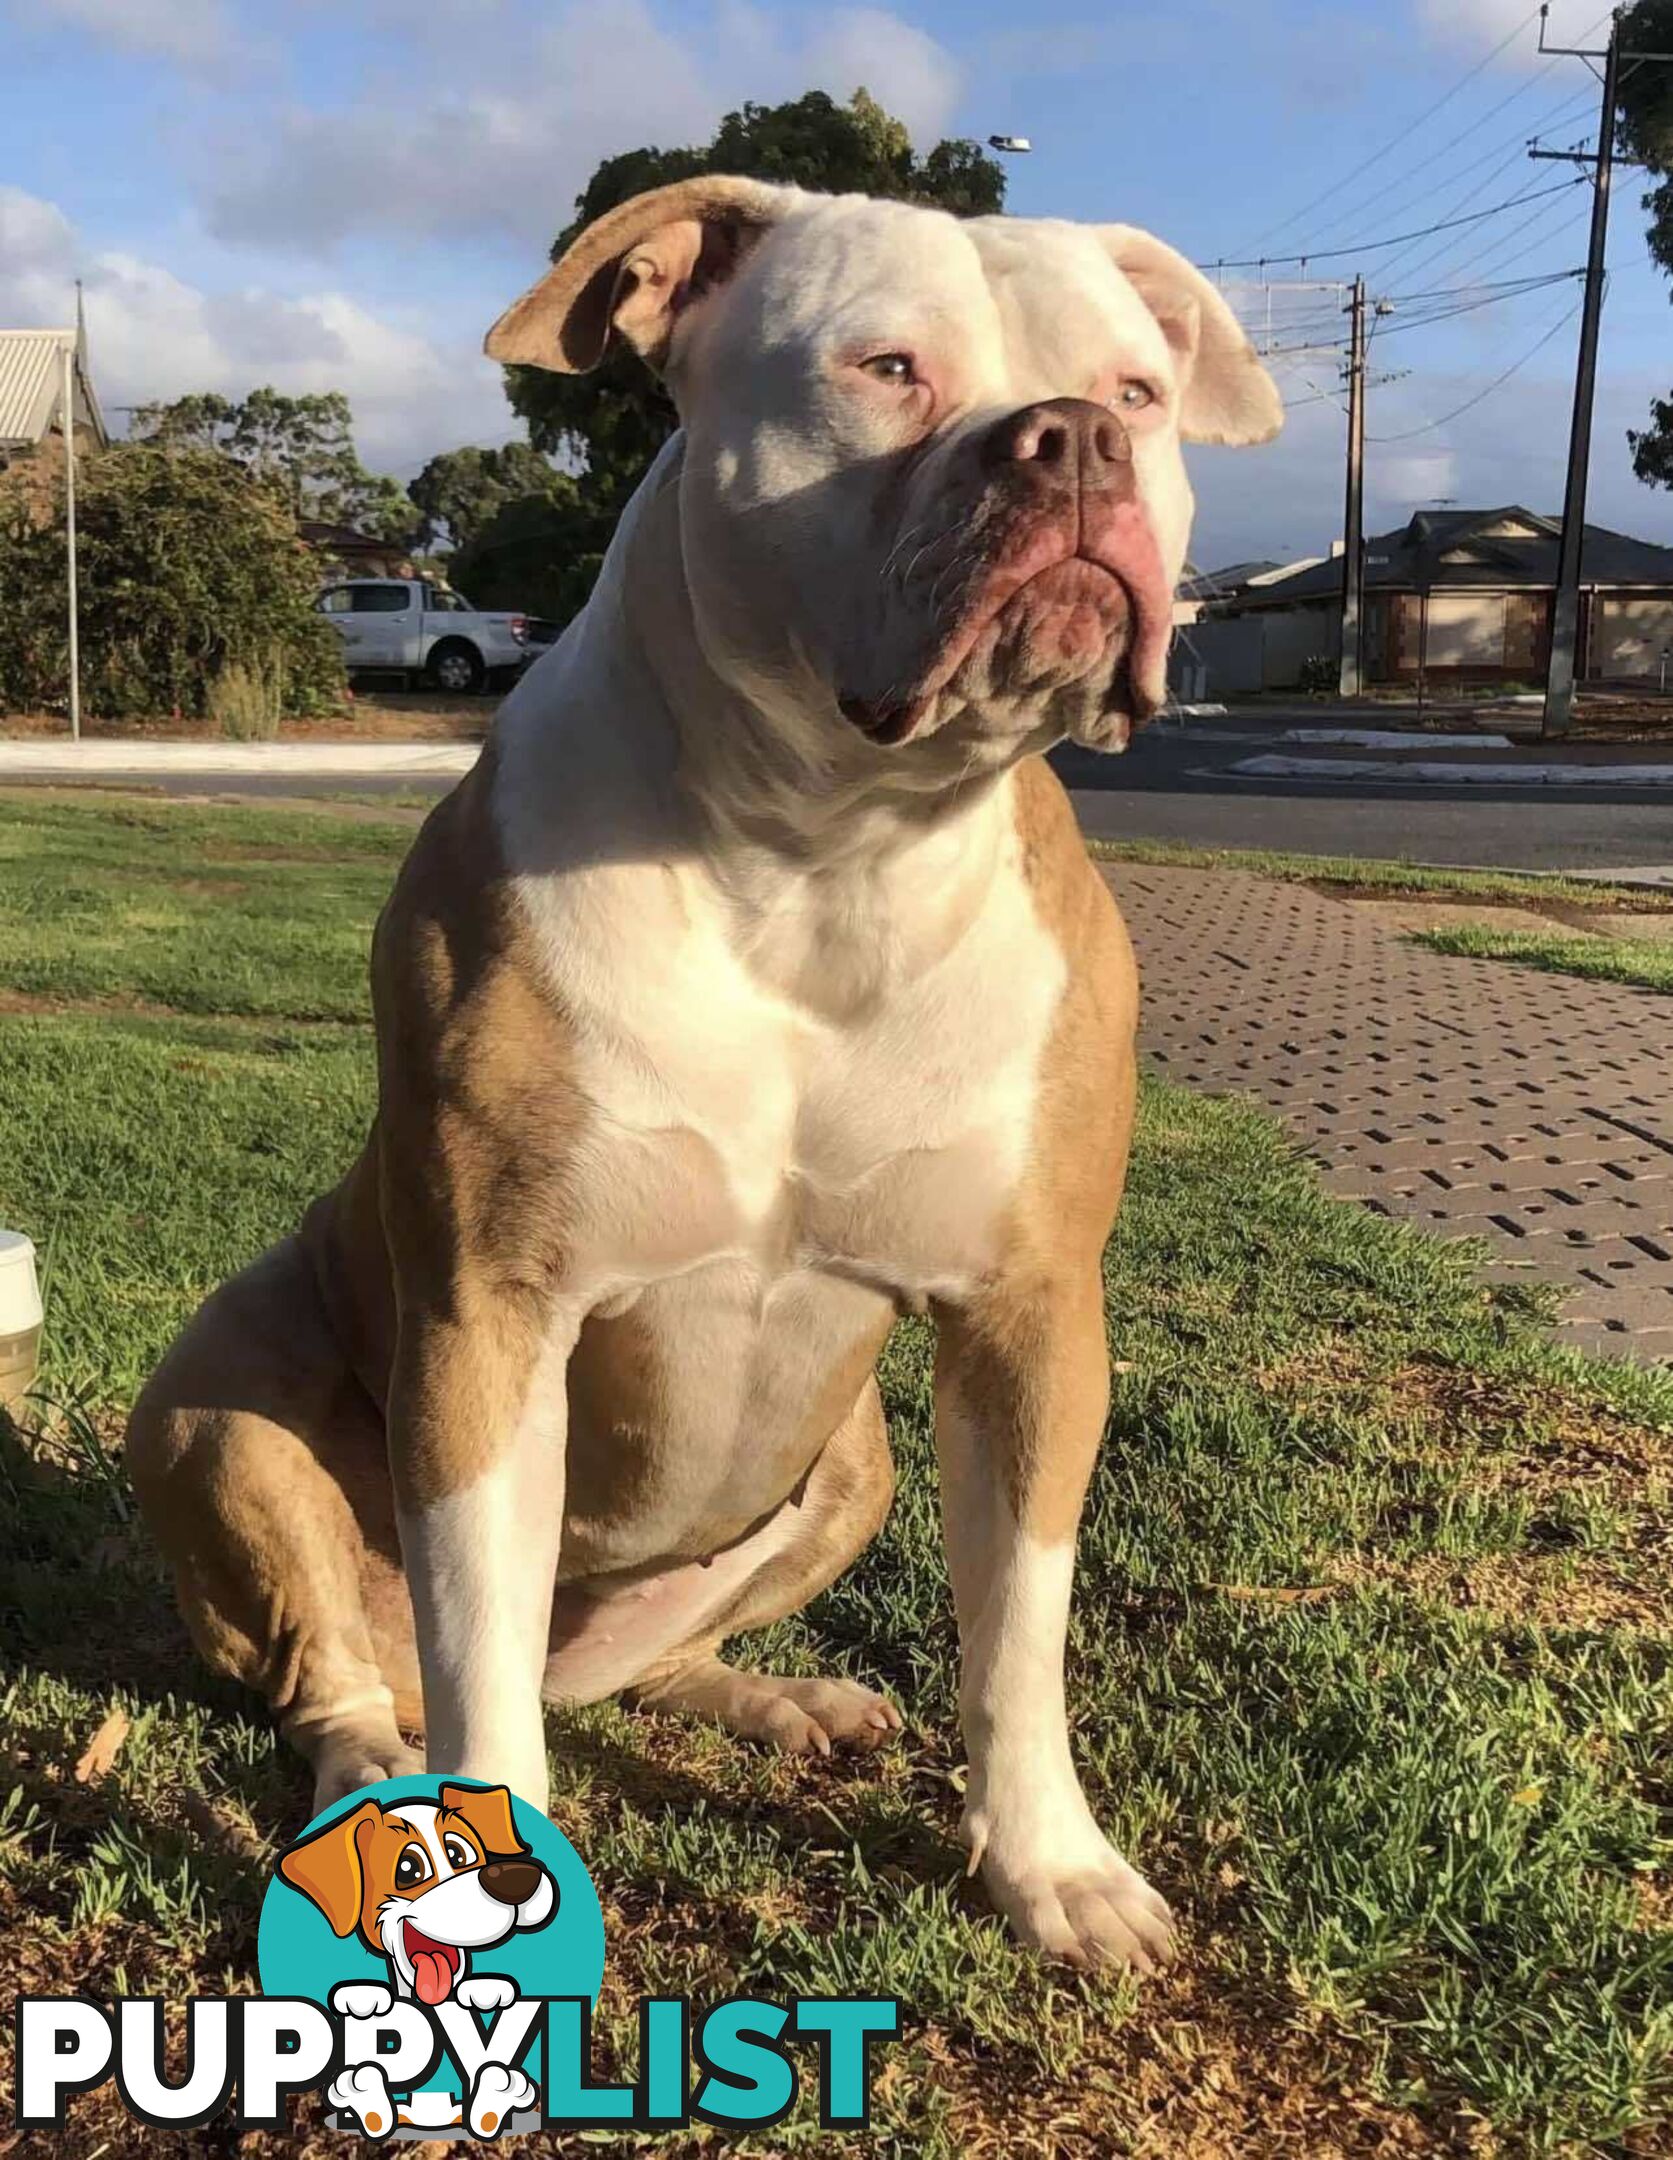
(20, 1317)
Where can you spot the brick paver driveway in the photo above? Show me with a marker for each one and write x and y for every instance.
(1468, 1095)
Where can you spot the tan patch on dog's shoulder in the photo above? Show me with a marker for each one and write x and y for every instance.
(478, 1122)
(1088, 1073)
(1029, 1352)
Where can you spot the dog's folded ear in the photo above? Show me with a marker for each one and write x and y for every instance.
(636, 270)
(1228, 395)
(326, 1867)
(487, 1809)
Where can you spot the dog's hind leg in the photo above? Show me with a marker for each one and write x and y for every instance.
(259, 1462)
(839, 1512)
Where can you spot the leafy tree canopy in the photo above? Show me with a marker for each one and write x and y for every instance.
(1646, 133)
(614, 420)
(460, 491)
(303, 447)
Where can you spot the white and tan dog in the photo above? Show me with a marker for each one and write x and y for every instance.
(753, 989)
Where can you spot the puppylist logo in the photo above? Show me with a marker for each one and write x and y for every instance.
(430, 1952)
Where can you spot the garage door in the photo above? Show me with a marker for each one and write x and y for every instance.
(1466, 630)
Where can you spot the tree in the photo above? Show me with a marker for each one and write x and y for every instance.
(539, 552)
(1646, 133)
(613, 421)
(460, 491)
(190, 565)
(302, 447)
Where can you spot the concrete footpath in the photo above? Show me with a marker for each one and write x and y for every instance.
(1467, 1096)
(107, 758)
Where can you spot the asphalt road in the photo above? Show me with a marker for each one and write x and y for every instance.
(1175, 784)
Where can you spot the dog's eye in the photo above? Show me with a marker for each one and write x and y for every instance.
(458, 1853)
(894, 368)
(412, 1867)
(1133, 397)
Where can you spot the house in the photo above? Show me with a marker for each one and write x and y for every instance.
(32, 392)
(344, 550)
(1197, 587)
(1455, 597)
(1217, 650)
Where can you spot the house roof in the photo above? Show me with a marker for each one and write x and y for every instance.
(1489, 550)
(1212, 584)
(320, 533)
(31, 376)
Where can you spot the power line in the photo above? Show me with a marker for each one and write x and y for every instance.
(1367, 247)
(1469, 404)
(1507, 148)
(1471, 195)
(1398, 141)
(1504, 252)
(1462, 256)
(1434, 156)
(1512, 289)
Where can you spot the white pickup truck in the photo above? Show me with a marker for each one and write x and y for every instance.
(416, 626)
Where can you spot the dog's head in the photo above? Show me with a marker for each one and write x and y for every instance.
(931, 482)
(425, 1882)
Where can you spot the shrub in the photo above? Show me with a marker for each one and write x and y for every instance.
(1319, 675)
(189, 566)
(247, 699)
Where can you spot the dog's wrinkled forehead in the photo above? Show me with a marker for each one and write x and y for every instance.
(1000, 308)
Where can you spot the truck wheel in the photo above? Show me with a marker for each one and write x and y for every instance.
(456, 667)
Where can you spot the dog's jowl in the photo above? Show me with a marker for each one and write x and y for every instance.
(753, 989)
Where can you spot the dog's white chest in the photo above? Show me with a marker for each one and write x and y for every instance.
(735, 1124)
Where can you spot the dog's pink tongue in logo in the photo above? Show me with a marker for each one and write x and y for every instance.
(433, 1965)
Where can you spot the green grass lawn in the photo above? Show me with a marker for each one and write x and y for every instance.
(1428, 881)
(1372, 1666)
(1645, 962)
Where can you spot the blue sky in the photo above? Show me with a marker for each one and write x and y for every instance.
(346, 194)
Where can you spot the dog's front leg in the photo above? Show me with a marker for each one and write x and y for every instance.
(1021, 1393)
(477, 1432)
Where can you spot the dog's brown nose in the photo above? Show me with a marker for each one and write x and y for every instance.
(511, 1882)
(1081, 440)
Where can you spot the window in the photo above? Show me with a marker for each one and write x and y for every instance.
(441, 601)
(382, 599)
(337, 601)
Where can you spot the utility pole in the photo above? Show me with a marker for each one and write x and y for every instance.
(1349, 680)
(69, 395)
(1565, 612)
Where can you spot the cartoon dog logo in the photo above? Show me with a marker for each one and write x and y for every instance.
(424, 1884)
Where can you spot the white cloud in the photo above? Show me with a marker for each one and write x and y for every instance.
(900, 65)
(195, 33)
(506, 156)
(1478, 25)
(153, 336)
(1402, 482)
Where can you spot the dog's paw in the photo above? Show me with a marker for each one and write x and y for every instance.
(1075, 1898)
(810, 1717)
(496, 2096)
(348, 1765)
(362, 1999)
(363, 2093)
(1104, 1915)
(486, 1991)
